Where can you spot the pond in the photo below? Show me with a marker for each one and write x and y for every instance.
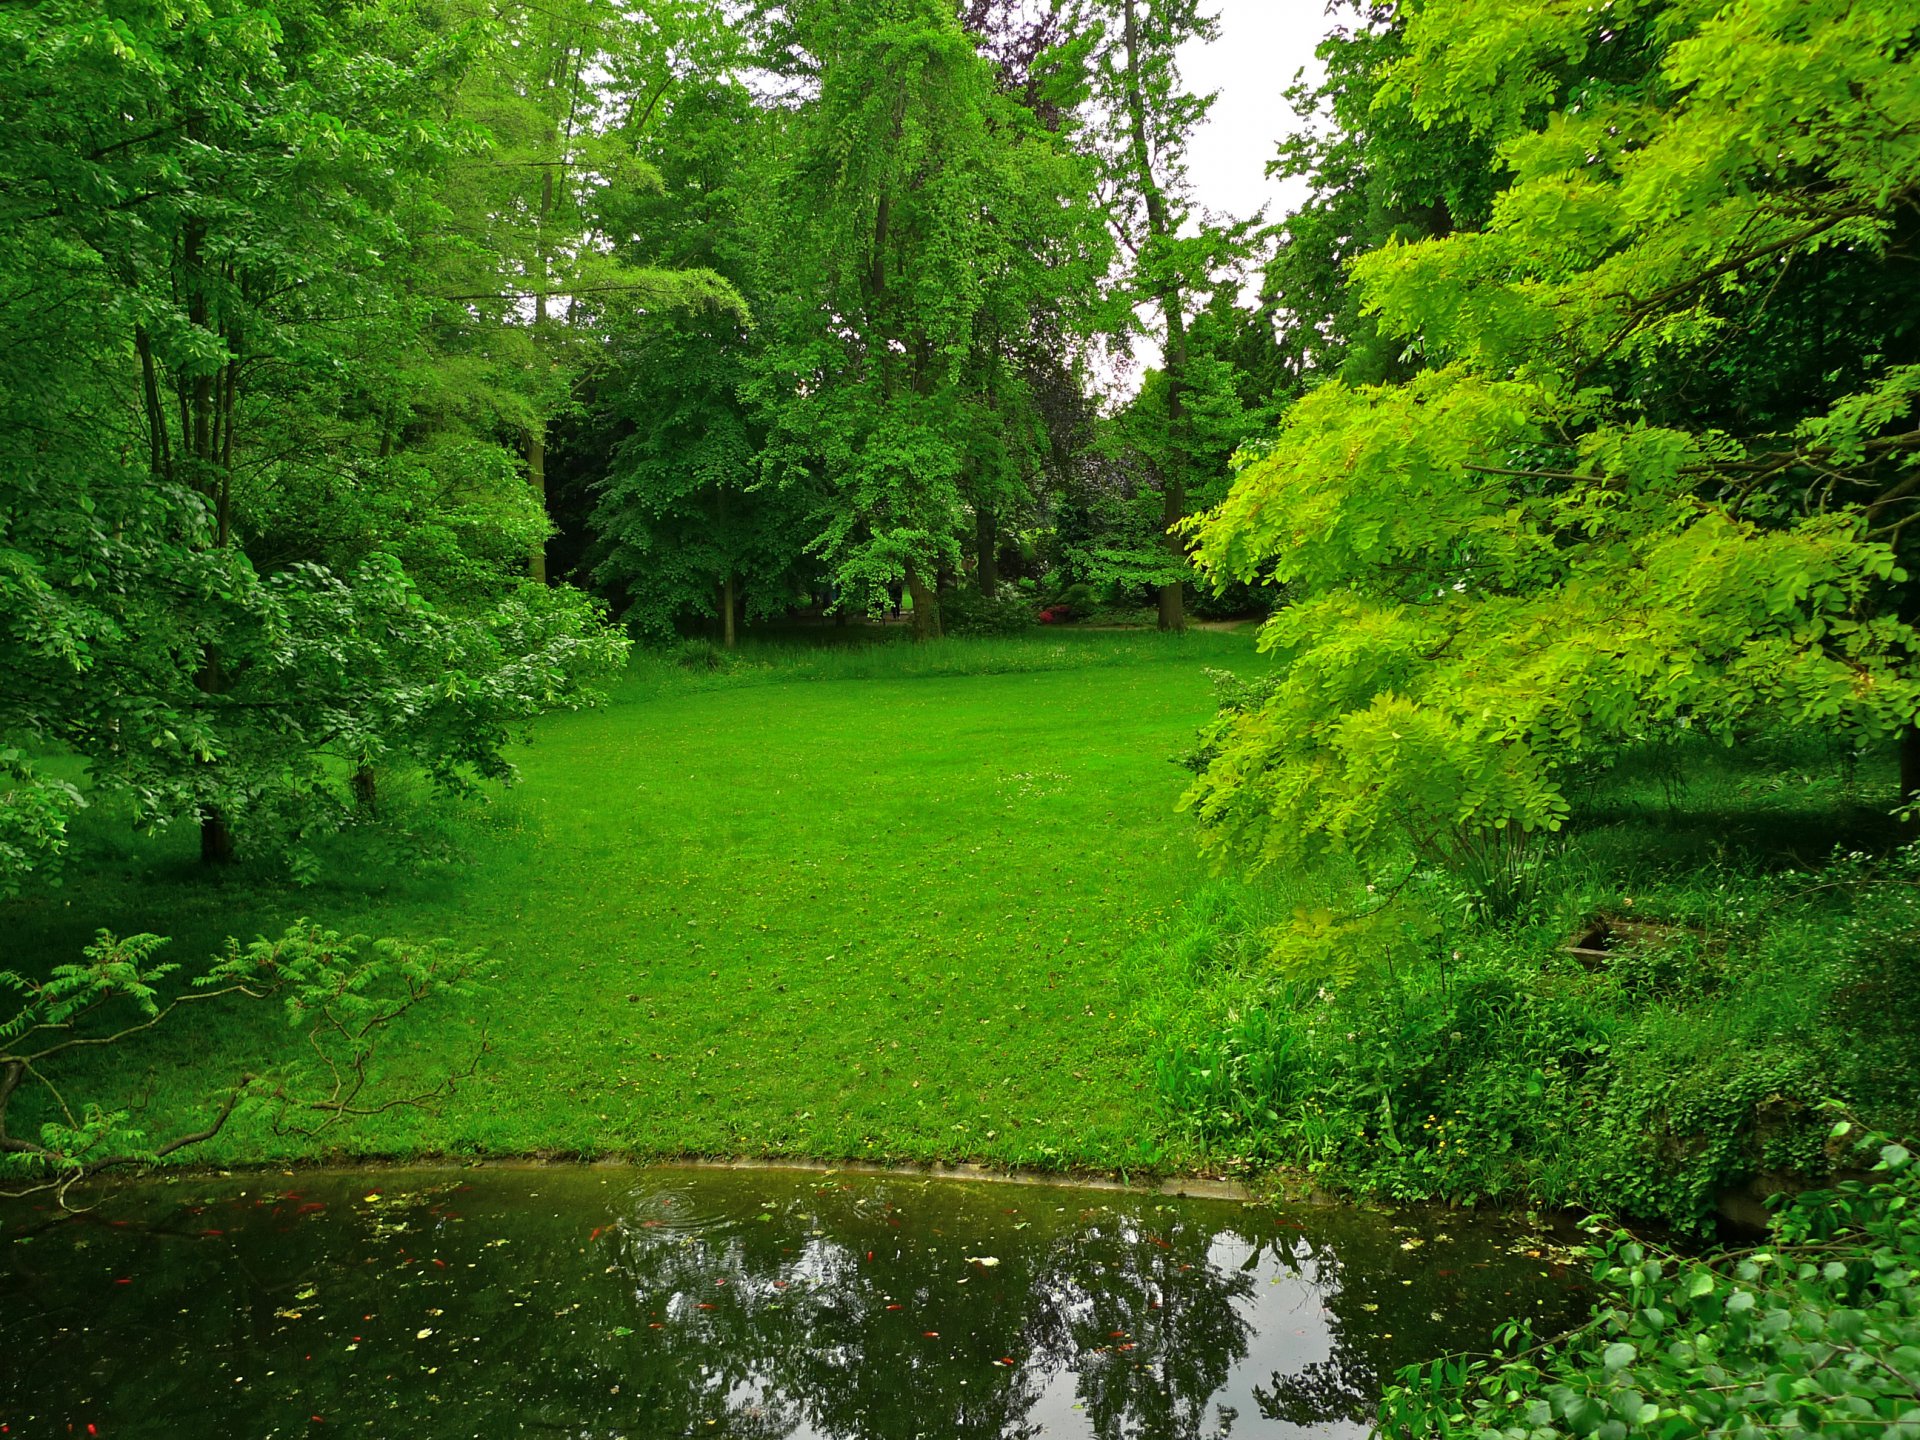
(597, 1302)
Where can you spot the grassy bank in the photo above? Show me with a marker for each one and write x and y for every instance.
(873, 901)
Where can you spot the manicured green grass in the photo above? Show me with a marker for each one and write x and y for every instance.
(870, 902)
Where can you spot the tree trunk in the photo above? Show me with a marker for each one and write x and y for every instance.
(726, 611)
(216, 840)
(1173, 613)
(366, 789)
(986, 540)
(537, 478)
(1910, 770)
(926, 607)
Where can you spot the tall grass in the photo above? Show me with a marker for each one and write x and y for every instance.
(1762, 972)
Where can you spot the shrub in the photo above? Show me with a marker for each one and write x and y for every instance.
(968, 612)
(1815, 1334)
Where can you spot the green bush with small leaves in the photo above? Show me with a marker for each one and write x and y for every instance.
(1814, 1334)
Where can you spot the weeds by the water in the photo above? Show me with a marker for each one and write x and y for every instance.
(1693, 973)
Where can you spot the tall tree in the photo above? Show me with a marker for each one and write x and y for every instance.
(566, 94)
(1150, 118)
(932, 218)
(201, 221)
(1636, 488)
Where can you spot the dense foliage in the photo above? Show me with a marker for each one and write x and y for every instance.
(1682, 1054)
(1617, 497)
(254, 543)
(1816, 1333)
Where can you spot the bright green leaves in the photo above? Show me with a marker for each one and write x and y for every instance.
(1785, 1340)
(343, 992)
(1503, 565)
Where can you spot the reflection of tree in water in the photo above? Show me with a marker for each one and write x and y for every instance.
(1153, 1327)
(806, 1336)
(764, 1307)
(1345, 1385)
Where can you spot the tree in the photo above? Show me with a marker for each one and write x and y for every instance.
(202, 234)
(1526, 557)
(1150, 117)
(927, 219)
(567, 92)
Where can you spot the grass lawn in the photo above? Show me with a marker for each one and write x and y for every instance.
(880, 902)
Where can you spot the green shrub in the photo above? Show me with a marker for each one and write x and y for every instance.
(968, 612)
(1487, 1062)
(1815, 1334)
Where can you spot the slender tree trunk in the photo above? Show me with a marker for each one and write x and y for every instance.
(986, 542)
(727, 637)
(366, 790)
(926, 606)
(537, 479)
(1910, 769)
(1173, 614)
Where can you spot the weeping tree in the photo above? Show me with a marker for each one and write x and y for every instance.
(925, 214)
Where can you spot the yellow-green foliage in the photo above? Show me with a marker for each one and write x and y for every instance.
(1504, 564)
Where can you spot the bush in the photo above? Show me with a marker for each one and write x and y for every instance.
(1816, 1334)
(1417, 1052)
(968, 612)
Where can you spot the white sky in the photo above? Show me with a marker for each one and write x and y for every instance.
(1262, 44)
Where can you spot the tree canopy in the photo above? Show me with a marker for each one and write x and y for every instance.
(1617, 494)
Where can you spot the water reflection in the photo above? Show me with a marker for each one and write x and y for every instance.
(600, 1304)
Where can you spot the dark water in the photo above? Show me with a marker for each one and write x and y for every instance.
(605, 1303)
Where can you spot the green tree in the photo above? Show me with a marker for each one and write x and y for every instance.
(1526, 556)
(926, 219)
(1149, 120)
(202, 233)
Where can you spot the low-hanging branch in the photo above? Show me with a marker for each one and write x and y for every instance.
(346, 991)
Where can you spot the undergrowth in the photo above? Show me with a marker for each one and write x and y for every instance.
(1454, 1057)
